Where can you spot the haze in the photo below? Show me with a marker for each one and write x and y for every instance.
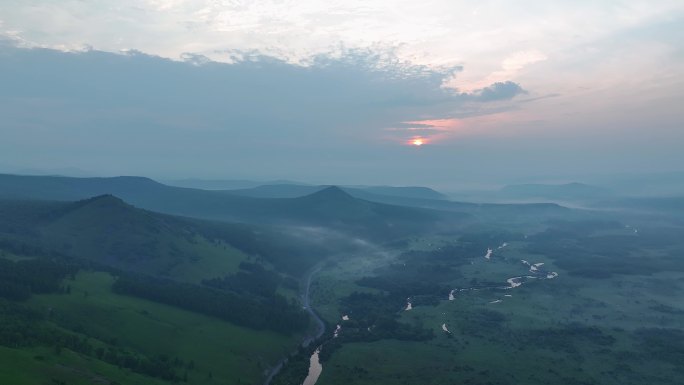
(335, 93)
(277, 192)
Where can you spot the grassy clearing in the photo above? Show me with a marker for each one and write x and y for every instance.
(214, 259)
(42, 366)
(13, 257)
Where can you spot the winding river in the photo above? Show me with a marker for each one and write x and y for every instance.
(306, 303)
(315, 367)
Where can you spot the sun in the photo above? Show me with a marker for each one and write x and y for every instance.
(417, 141)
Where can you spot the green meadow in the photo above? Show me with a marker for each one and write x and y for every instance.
(220, 352)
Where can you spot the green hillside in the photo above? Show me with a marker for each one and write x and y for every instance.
(110, 232)
(98, 291)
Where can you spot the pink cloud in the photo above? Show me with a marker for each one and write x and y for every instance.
(432, 131)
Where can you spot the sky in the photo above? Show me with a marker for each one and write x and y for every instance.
(340, 92)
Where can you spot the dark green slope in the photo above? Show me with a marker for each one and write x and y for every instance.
(117, 233)
(110, 232)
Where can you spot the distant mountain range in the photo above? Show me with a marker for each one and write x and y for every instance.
(284, 190)
(575, 193)
(264, 204)
(567, 191)
(290, 189)
(330, 207)
(226, 184)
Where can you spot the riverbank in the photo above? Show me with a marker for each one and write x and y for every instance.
(319, 325)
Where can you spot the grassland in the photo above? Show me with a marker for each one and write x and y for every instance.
(43, 366)
(13, 257)
(221, 353)
(213, 259)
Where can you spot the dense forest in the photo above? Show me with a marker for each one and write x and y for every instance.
(252, 279)
(274, 313)
(20, 279)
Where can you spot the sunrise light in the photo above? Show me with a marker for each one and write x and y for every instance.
(417, 142)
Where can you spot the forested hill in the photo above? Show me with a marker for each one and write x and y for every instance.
(108, 231)
(108, 283)
(205, 267)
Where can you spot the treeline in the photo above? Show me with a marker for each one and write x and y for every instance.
(249, 305)
(21, 327)
(18, 280)
(576, 249)
(25, 248)
(565, 338)
(253, 279)
(375, 318)
(274, 313)
(662, 344)
(453, 254)
(400, 285)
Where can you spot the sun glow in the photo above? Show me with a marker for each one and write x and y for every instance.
(417, 142)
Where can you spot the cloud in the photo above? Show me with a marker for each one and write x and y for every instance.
(510, 67)
(481, 102)
(498, 91)
(94, 101)
(325, 79)
(520, 60)
(432, 32)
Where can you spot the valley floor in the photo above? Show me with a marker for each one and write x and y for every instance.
(574, 326)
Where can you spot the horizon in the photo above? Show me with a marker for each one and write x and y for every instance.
(663, 184)
(476, 98)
